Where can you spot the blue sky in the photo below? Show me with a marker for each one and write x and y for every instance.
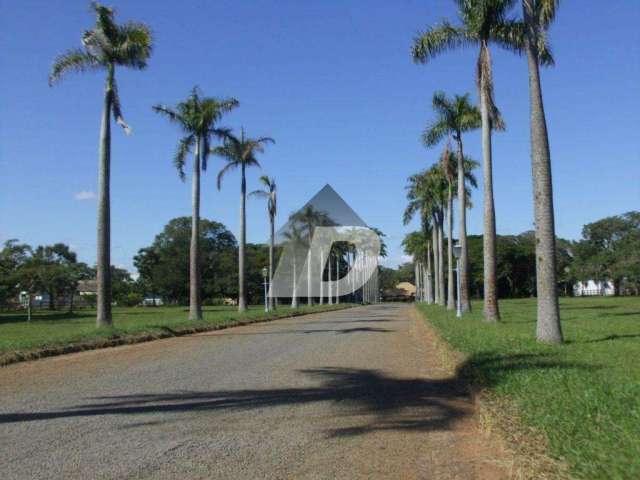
(333, 83)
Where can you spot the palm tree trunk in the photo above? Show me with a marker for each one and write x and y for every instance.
(294, 291)
(195, 305)
(242, 300)
(436, 278)
(491, 309)
(321, 301)
(103, 254)
(330, 282)
(441, 293)
(337, 279)
(465, 301)
(548, 328)
(429, 282)
(451, 302)
(271, 246)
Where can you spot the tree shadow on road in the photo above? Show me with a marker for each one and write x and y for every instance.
(366, 400)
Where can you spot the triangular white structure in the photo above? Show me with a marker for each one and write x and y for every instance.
(331, 204)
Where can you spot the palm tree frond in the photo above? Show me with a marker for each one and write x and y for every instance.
(74, 60)
(434, 133)
(134, 45)
(436, 40)
(180, 158)
(259, 193)
(226, 169)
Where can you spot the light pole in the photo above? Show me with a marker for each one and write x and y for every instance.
(456, 251)
(265, 274)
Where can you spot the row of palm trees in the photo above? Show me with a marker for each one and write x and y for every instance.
(483, 23)
(109, 45)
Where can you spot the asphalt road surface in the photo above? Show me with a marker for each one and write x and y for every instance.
(352, 394)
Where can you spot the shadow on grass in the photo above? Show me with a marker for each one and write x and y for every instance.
(613, 337)
(386, 402)
(489, 369)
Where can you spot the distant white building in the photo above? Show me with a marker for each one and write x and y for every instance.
(593, 288)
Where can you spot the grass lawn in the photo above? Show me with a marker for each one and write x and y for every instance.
(52, 329)
(584, 395)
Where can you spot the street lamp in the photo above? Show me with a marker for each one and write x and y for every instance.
(265, 274)
(457, 249)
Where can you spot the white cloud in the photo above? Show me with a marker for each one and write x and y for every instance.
(85, 195)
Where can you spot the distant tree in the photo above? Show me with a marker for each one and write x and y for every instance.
(12, 256)
(122, 284)
(197, 118)
(610, 250)
(164, 265)
(105, 47)
(240, 152)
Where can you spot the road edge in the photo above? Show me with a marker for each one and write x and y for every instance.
(499, 419)
(19, 356)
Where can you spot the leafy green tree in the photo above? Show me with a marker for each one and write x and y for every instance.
(240, 152)
(610, 251)
(163, 266)
(270, 193)
(122, 284)
(105, 47)
(453, 118)
(12, 256)
(197, 118)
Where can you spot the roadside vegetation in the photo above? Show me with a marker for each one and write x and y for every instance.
(57, 330)
(583, 396)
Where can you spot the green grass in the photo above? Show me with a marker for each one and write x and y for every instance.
(53, 329)
(583, 395)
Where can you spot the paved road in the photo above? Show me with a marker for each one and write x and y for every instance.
(352, 394)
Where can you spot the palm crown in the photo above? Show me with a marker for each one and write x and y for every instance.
(453, 117)
(269, 193)
(482, 22)
(106, 46)
(239, 152)
(197, 117)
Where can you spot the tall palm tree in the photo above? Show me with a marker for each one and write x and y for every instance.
(538, 15)
(310, 218)
(425, 192)
(447, 165)
(241, 152)
(483, 22)
(416, 245)
(106, 46)
(296, 243)
(453, 118)
(197, 117)
(269, 193)
(436, 191)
